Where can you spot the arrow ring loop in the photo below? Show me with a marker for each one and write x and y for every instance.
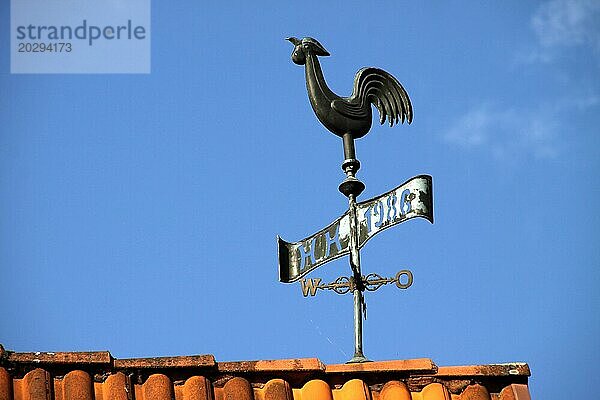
(408, 283)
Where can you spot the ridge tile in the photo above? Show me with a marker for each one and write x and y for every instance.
(514, 369)
(413, 365)
(207, 361)
(293, 364)
(86, 357)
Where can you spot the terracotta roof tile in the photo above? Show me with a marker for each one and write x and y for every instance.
(296, 364)
(207, 361)
(115, 387)
(415, 365)
(6, 389)
(475, 392)
(277, 389)
(395, 390)
(236, 389)
(36, 385)
(194, 388)
(520, 369)
(515, 392)
(354, 389)
(157, 387)
(316, 389)
(97, 376)
(92, 357)
(435, 391)
(77, 385)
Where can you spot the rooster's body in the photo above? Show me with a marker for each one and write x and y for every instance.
(351, 115)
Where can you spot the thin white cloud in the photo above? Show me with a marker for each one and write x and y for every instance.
(560, 24)
(582, 103)
(510, 133)
(507, 133)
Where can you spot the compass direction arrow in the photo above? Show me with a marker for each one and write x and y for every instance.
(343, 284)
(414, 198)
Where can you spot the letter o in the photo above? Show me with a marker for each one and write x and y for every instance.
(406, 285)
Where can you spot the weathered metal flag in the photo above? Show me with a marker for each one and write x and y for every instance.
(412, 199)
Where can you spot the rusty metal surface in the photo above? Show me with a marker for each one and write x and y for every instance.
(410, 200)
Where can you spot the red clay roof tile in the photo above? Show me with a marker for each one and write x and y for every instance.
(354, 389)
(295, 364)
(157, 387)
(37, 385)
(97, 376)
(77, 385)
(435, 391)
(316, 389)
(6, 389)
(115, 387)
(277, 389)
(475, 392)
(395, 390)
(92, 357)
(194, 388)
(167, 362)
(415, 365)
(515, 392)
(236, 389)
(519, 369)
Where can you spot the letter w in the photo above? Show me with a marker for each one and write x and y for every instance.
(310, 285)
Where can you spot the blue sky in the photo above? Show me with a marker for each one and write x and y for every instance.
(139, 212)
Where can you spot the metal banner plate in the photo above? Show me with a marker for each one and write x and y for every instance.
(414, 198)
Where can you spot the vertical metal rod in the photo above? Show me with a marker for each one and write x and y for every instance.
(348, 140)
(354, 251)
(358, 315)
(352, 187)
(358, 284)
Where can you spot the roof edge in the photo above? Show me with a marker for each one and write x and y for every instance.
(194, 361)
(504, 369)
(292, 364)
(61, 358)
(104, 360)
(416, 365)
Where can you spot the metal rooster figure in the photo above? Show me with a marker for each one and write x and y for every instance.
(350, 118)
(351, 115)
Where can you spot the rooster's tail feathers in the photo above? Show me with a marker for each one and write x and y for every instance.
(384, 92)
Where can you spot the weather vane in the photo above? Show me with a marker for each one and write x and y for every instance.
(350, 118)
